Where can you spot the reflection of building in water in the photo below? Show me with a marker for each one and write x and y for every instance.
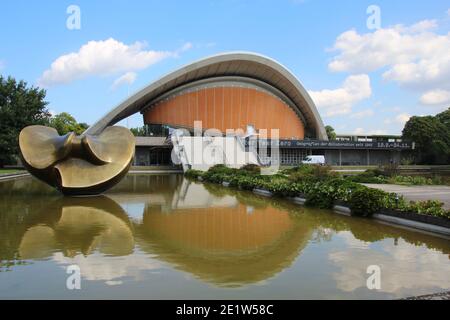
(219, 230)
(152, 191)
(225, 238)
(194, 195)
(211, 235)
(225, 246)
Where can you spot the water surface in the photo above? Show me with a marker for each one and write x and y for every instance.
(164, 237)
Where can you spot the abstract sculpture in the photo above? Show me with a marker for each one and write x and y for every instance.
(77, 165)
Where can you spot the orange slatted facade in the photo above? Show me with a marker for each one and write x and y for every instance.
(220, 229)
(228, 108)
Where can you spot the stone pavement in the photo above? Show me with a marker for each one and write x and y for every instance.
(436, 296)
(418, 193)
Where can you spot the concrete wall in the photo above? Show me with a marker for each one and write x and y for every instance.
(360, 157)
(161, 156)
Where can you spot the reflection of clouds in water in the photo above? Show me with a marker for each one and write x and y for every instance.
(403, 266)
(134, 211)
(110, 269)
(321, 234)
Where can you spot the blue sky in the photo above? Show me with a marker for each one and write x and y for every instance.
(363, 80)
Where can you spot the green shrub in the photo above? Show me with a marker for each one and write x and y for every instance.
(322, 189)
(300, 170)
(218, 173)
(412, 180)
(368, 176)
(321, 194)
(323, 172)
(319, 198)
(377, 176)
(246, 182)
(342, 189)
(429, 207)
(310, 173)
(282, 188)
(251, 168)
(221, 168)
(366, 201)
(389, 170)
(394, 201)
(193, 174)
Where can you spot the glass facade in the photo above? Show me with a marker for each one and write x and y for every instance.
(152, 156)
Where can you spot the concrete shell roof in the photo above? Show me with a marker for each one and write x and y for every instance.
(242, 64)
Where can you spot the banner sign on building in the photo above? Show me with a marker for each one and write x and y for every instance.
(317, 144)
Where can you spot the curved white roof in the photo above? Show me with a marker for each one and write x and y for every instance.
(241, 64)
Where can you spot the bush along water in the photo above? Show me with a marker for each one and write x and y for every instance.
(391, 176)
(321, 188)
(366, 201)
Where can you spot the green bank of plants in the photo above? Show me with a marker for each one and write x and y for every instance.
(320, 187)
(415, 180)
(390, 176)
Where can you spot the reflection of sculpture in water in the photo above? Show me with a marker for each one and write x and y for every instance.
(77, 165)
(81, 225)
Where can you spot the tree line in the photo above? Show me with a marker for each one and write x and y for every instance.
(21, 106)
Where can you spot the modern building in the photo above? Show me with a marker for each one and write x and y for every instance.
(236, 91)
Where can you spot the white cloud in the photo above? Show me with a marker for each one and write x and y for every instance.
(378, 132)
(421, 26)
(435, 97)
(95, 268)
(358, 131)
(361, 131)
(414, 56)
(448, 12)
(332, 102)
(362, 114)
(185, 47)
(410, 269)
(127, 78)
(103, 58)
(402, 118)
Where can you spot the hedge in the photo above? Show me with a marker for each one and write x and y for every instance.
(320, 189)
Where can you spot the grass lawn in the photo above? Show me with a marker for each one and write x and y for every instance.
(7, 171)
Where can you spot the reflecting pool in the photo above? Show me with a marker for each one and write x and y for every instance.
(165, 237)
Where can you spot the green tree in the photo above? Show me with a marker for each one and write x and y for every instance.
(444, 117)
(65, 123)
(20, 106)
(330, 133)
(431, 135)
(139, 131)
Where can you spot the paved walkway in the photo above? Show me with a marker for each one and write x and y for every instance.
(418, 193)
(8, 176)
(436, 296)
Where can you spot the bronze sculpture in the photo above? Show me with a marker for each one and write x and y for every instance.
(77, 165)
